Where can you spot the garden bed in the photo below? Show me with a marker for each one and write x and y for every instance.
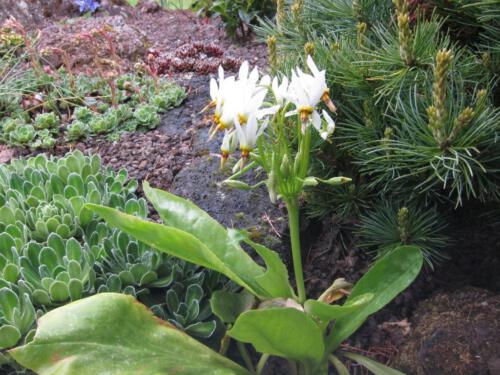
(177, 157)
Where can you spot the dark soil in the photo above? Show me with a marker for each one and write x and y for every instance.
(454, 333)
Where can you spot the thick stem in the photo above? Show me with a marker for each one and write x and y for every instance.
(293, 222)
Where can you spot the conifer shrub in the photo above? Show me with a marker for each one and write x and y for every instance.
(416, 87)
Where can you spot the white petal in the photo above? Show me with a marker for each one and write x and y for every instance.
(316, 120)
(284, 83)
(267, 111)
(329, 121)
(239, 130)
(254, 76)
(214, 89)
(265, 80)
(243, 73)
(275, 85)
(312, 66)
(291, 113)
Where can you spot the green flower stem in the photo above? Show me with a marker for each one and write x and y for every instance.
(293, 222)
(246, 357)
(262, 362)
(243, 170)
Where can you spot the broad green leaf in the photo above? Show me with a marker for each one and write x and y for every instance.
(178, 243)
(374, 366)
(275, 280)
(388, 277)
(113, 334)
(327, 312)
(285, 332)
(183, 214)
(228, 306)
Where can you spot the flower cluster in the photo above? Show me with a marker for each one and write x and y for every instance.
(87, 5)
(242, 112)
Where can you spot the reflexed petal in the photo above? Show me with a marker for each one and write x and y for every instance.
(312, 66)
(267, 111)
(329, 122)
(221, 73)
(265, 80)
(254, 76)
(214, 89)
(243, 73)
(316, 121)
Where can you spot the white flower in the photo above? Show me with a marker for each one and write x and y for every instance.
(306, 91)
(240, 99)
(248, 134)
(320, 77)
(218, 89)
(229, 143)
(280, 90)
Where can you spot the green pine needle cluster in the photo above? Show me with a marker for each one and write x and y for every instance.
(416, 85)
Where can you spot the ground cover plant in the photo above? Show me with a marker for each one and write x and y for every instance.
(274, 136)
(42, 106)
(417, 84)
(54, 250)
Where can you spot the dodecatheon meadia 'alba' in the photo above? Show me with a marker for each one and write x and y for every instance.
(229, 144)
(238, 97)
(248, 134)
(306, 91)
(280, 90)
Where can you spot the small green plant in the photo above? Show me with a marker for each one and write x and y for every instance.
(53, 250)
(237, 16)
(268, 313)
(17, 315)
(41, 108)
(390, 225)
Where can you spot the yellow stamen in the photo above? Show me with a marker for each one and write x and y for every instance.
(243, 119)
(212, 104)
(245, 153)
(328, 102)
(224, 156)
(305, 112)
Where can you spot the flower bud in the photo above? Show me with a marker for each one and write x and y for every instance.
(235, 184)
(271, 187)
(310, 181)
(285, 166)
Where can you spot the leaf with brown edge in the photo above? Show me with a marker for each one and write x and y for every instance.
(113, 334)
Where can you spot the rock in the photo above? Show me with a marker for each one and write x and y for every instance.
(455, 333)
(129, 42)
(149, 6)
(252, 210)
(26, 12)
(6, 154)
